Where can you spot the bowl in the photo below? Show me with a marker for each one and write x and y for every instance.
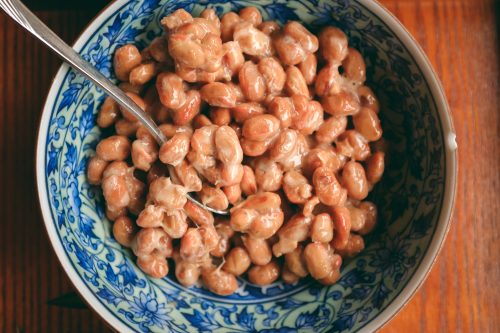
(415, 197)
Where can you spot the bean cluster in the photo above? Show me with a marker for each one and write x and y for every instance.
(271, 120)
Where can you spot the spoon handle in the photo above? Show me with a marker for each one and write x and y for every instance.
(22, 15)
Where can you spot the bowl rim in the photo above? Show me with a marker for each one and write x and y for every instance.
(449, 197)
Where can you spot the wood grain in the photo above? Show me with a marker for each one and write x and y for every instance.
(30, 274)
(461, 292)
(461, 40)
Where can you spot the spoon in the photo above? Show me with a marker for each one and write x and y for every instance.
(22, 15)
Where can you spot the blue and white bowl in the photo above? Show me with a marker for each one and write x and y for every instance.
(415, 198)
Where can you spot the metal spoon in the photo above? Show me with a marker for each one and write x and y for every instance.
(22, 15)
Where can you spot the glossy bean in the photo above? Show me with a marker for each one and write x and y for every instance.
(213, 197)
(153, 265)
(186, 175)
(368, 99)
(203, 140)
(251, 15)
(273, 74)
(254, 148)
(175, 149)
(228, 23)
(143, 73)
(228, 146)
(367, 123)
(124, 230)
(261, 127)
(370, 213)
(331, 128)
(219, 281)
(108, 113)
(248, 182)
(354, 180)
(328, 81)
(294, 231)
(191, 246)
(113, 148)
(264, 275)
(284, 145)
(245, 111)
(166, 194)
(170, 90)
(126, 58)
(295, 82)
(334, 275)
(268, 174)
(304, 37)
(355, 245)
(310, 206)
(322, 228)
(220, 116)
(225, 232)
(252, 41)
(290, 52)
(269, 27)
(187, 273)
(288, 276)
(352, 144)
(144, 153)
(283, 109)
(186, 51)
(210, 15)
(158, 49)
(341, 104)
(333, 44)
(341, 225)
(328, 188)
(175, 223)
(113, 213)
(151, 241)
(233, 193)
(219, 95)
(176, 19)
(252, 82)
(214, 53)
(237, 261)
(129, 87)
(137, 100)
(308, 115)
(95, 170)
(230, 174)
(151, 217)
(308, 68)
(258, 250)
(354, 66)
(296, 187)
(375, 167)
(115, 191)
(126, 128)
(296, 263)
(189, 110)
(318, 260)
(266, 224)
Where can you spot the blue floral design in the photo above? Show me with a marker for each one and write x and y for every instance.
(408, 198)
(146, 306)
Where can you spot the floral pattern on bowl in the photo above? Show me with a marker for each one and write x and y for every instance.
(409, 198)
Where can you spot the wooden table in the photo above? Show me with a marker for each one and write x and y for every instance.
(461, 294)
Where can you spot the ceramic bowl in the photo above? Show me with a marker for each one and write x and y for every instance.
(415, 197)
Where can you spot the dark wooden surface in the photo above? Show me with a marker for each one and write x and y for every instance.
(461, 293)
